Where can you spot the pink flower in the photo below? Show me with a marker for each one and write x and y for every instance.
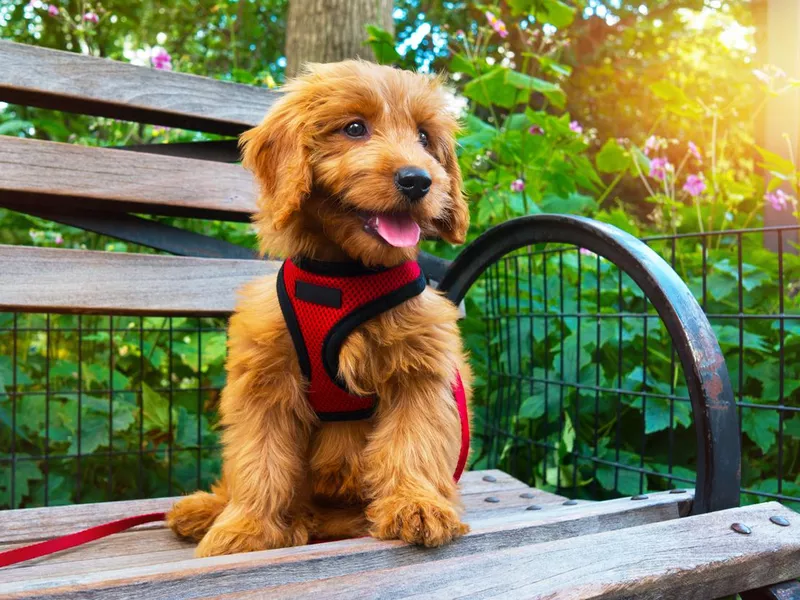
(52, 10)
(576, 127)
(161, 59)
(58, 239)
(694, 186)
(659, 167)
(536, 130)
(651, 144)
(694, 151)
(779, 200)
(587, 252)
(460, 33)
(91, 17)
(517, 185)
(497, 24)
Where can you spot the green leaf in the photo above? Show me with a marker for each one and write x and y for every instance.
(556, 13)
(657, 414)
(761, 426)
(574, 204)
(775, 162)
(382, 43)
(612, 158)
(14, 126)
(492, 88)
(25, 472)
(532, 407)
(552, 91)
(461, 64)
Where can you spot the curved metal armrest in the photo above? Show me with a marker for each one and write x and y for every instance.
(713, 404)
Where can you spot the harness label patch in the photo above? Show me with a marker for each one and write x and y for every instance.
(318, 294)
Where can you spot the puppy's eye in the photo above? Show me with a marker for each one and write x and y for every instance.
(423, 138)
(356, 129)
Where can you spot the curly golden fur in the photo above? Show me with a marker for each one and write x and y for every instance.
(286, 475)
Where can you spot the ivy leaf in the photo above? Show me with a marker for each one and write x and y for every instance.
(25, 472)
(657, 414)
(761, 426)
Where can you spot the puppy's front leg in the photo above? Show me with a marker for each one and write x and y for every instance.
(410, 463)
(264, 443)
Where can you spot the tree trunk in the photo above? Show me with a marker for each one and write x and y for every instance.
(332, 30)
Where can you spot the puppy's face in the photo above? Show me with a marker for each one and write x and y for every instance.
(359, 157)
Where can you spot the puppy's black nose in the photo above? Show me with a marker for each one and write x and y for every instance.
(412, 182)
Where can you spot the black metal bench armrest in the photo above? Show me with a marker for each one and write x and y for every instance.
(713, 404)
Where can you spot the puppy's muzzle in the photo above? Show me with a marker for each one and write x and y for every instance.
(412, 182)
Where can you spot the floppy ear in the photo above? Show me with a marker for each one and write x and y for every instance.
(274, 151)
(453, 226)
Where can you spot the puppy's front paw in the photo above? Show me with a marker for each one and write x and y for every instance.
(242, 534)
(422, 520)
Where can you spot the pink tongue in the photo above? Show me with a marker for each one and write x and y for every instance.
(398, 230)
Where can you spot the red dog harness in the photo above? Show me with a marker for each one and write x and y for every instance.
(322, 304)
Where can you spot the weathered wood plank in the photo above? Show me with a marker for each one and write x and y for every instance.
(71, 82)
(264, 570)
(32, 524)
(693, 558)
(55, 280)
(158, 547)
(50, 174)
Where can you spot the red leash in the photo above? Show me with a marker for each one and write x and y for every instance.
(65, 542)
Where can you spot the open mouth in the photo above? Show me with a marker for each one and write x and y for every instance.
(396, 229)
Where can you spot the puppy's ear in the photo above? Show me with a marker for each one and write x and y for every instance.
(453, 226)
(274, 151)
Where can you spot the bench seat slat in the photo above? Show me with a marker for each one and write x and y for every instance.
(96, 86)
(38, 173)
(695, 558)
(78, 281)
(232, 574)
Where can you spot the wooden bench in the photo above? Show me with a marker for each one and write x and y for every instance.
(524, 542)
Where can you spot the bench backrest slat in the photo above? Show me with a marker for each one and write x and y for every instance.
(56, 280)
(37, 173)
(72, 82)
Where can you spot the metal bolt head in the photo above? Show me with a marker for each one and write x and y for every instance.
(534, 507)
(570, 503)
(677, 491)
(639, 497)
(490, 478)
(741, 528)
(527, 495)
(779, 520)
(492, 499)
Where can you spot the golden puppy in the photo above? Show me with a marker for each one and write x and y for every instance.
(355, 162)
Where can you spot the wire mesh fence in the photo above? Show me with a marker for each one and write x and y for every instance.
(578, 389)
(95, 408)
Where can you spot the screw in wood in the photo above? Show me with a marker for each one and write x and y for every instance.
(677, 491)
(534, 507)
(779, 520)
(639, 497)
(527, 495)
(492, 499)
(490, 478)
(741, 528)
(570, 503)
